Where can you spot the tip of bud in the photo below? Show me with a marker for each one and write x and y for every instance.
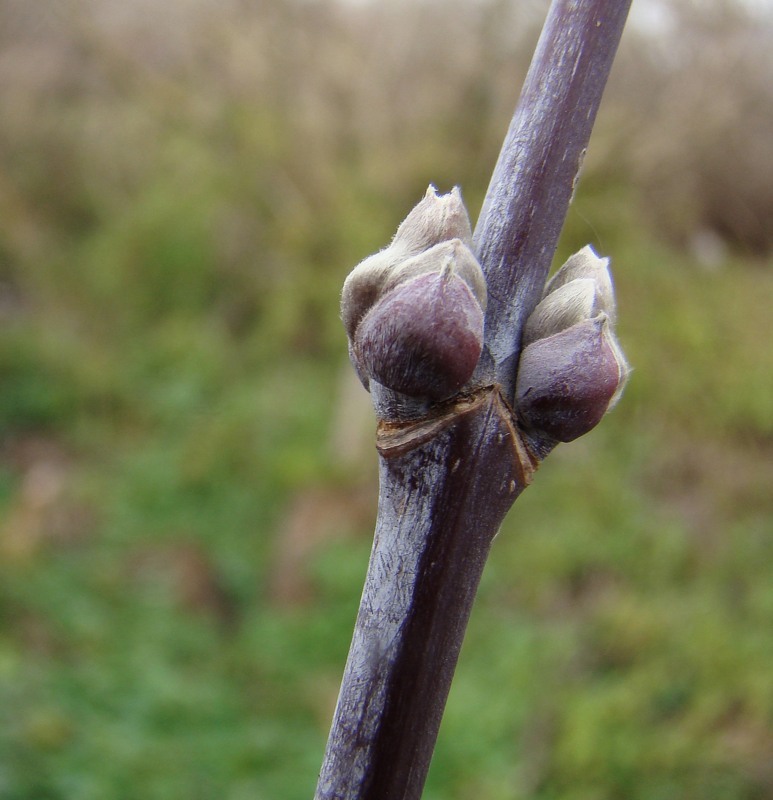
(435, 218)
(585, 264)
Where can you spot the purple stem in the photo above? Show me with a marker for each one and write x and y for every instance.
(535, 176)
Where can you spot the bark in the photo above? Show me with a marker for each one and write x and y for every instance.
(445, 486)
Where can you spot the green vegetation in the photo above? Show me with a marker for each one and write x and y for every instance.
(184, 527)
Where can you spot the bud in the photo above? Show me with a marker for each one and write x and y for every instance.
(423, 338)
(572, 370)
(413, 312)
(364, 285)
(568, 381)
(586, 264)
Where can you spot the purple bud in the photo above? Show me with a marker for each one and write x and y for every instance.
(568, 381)
(423, 338)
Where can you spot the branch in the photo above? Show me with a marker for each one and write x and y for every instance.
(437, 517)
(538, 166)
(453, 456)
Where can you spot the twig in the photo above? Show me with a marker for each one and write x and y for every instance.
(448, 477)
(539, 164)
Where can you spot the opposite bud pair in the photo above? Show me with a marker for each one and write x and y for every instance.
(414, 314)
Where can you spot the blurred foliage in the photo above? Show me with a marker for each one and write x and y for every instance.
(187, 487)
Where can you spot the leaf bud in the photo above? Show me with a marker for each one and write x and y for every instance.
(453, 252)
(364, 285)
(423, 338)
(572, 370)
(567, 381)
(413, 312)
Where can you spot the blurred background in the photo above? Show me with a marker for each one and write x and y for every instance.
(187, 471)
